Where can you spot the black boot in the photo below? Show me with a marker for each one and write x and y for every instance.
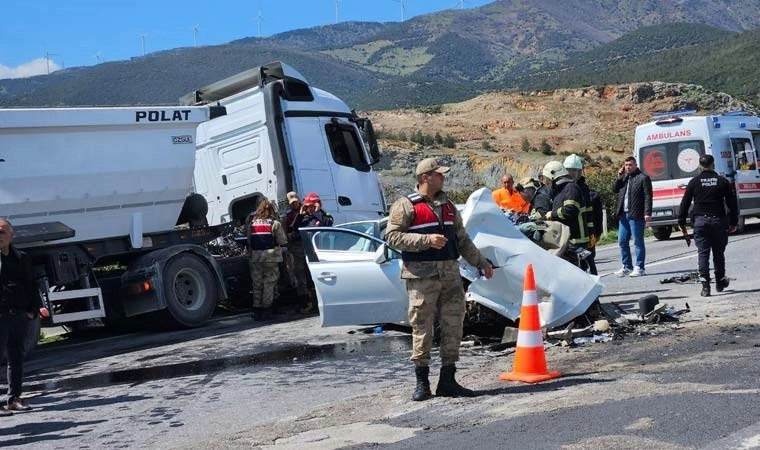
(705, 289)
(448, 386)
(422, 391)
(257, 315)
(721, 284)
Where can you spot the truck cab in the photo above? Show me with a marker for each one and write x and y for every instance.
(280, 134)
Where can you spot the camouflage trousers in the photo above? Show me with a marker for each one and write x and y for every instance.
(264, 276)
(428, 298)
(301, 270)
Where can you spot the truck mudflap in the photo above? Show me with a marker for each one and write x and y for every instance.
(185, 280)
(564, 290)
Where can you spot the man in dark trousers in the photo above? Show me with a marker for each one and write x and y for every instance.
(711, 194)
(19, 303)
(310, 214)
(634, 209)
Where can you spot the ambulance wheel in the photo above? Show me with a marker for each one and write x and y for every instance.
(190, 290)
(662, 233)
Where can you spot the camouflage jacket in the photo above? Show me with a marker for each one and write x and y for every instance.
(399, 238)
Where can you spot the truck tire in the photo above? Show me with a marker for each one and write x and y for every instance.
(662, 233)
(190, 290)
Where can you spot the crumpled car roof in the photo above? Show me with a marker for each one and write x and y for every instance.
(564, 290)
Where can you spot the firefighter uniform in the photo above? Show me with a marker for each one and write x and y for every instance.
(711, 194)
(266, 237)
(569, 207)
(432, 276)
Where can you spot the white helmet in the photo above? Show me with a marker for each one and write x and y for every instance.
(573, 162)
(553, 170)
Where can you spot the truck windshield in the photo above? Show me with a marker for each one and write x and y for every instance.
(671, 160)
(345, 146)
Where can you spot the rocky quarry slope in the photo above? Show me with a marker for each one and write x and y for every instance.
(520, 132)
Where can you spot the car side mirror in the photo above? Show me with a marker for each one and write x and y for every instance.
(381, 255)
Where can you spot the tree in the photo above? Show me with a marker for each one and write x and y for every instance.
(545, 148)
(525, 145)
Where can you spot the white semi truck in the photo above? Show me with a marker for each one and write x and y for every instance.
(668, 150)
(95, 195)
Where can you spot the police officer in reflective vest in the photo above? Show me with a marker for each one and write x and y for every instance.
(267, 240)
(427, 228)
(711, 194)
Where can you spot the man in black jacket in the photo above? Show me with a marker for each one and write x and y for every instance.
(19, 303)
(634, 210)
(711, 194)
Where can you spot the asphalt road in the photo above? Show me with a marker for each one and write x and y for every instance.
(691, 384)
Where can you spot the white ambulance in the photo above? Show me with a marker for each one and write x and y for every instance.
(669, 148)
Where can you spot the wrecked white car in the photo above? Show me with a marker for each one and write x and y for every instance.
(357, 277)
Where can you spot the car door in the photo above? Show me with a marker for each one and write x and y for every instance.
(352, 287)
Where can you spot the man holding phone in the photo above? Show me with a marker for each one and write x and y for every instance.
(634, 210)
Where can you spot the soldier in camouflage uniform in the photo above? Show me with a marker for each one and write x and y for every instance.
(267, 240)
(427, 228)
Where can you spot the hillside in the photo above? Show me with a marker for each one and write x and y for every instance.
(449, 56)
(490, 132)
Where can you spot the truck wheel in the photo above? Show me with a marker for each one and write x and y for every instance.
(32, 335)
(190, 290)
(662, 233)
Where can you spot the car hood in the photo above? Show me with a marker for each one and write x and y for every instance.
(564, 290)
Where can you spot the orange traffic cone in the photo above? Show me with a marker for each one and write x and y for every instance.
(530, 360)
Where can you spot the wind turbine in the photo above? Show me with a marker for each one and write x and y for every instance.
(336, 10)
(195, 35)
(460, 3)
(98, 57)
(143, 36)
(47, 60)
(259, 19)
(403, 9)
